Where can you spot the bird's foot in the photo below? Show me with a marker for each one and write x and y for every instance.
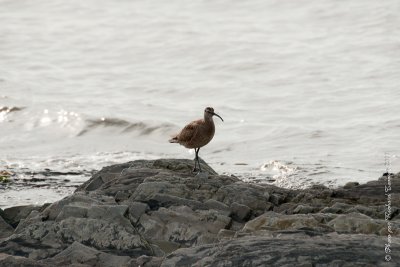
(203, 176)
(196, 164)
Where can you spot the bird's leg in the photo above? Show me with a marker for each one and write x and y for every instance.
(195, 160)
(197, 157)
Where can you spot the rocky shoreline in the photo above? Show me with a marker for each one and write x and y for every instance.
(157, 213)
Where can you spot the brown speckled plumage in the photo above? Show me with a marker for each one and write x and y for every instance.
(198, 133)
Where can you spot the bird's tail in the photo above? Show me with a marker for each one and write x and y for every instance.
(173, 139)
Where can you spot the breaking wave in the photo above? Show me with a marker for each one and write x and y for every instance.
(290, 175)
(4, 111)
(10, 109)
(123, 126)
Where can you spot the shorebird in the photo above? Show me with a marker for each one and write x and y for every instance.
(197, 134)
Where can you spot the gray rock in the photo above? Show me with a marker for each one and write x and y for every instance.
(225, 234)
(253, 196)
(48, 238)
(146, 261)
(7, 260)
(34, 217)
(216, 205)
(357, 223)
(81, 254)
(182, 165)
(304, 209)
(286, 208)
(372, 192)
(148, 190)
(80, 200)
(182, 225)
(351, 185)
(102, 235)
(107, 212)
(272, 221)
(5, 229)
(277, 199)
(337, 208)
(137, 209)
(240, 212)
(285, 250)
(134, 214)
(105, 175)
(121, 196)
(165, 200)
(75, 211)
(373, 211)
(14, 214)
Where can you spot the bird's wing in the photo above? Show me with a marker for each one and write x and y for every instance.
(188, 132)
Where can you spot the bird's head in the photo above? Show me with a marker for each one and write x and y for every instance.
(209, 112)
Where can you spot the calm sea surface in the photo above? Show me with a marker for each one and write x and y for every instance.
(309, 90)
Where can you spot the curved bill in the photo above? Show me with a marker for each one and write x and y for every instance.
(218, 116)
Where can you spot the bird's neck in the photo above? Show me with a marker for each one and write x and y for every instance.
(208, 119)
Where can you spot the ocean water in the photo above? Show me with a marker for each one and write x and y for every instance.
(308, 90)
